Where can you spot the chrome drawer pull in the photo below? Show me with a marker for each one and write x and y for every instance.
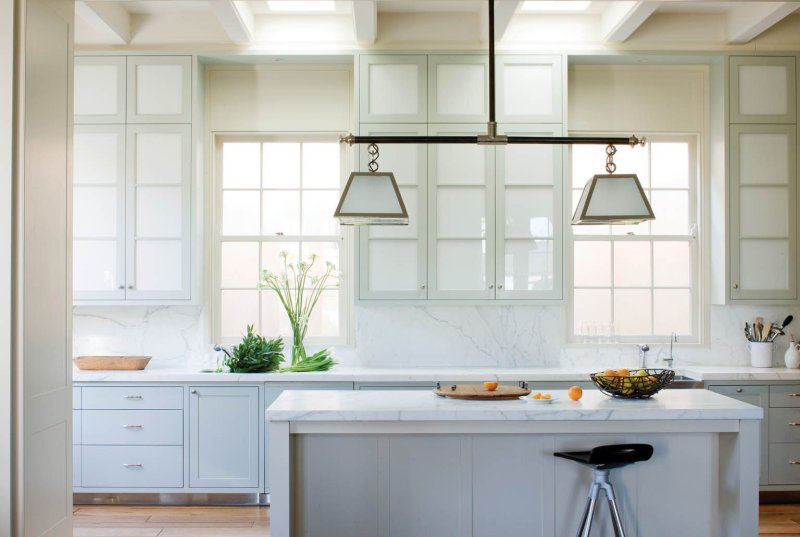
(133, 426)
(136, 465)
(793, 394)
(132, 396)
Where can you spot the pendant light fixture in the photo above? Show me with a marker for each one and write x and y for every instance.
(373, 197)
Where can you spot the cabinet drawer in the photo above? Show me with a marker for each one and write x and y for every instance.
(132, 466)
(784, 425)
(133, 427)
(782, 470)
(138, 397)
(784, 396)
(76, 397)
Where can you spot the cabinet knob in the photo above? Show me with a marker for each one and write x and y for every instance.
(735, 285)
(422, 287)
(194, 392)
(491, 286)
(130, 287)
(122, 287)
(500, 286)
(738, 390)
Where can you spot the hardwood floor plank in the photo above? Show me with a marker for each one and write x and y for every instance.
(116, 532)
(215, 532)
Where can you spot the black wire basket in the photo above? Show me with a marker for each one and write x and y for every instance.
(634, 386)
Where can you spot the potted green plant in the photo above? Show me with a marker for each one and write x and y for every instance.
(299, 291)
(255, 354)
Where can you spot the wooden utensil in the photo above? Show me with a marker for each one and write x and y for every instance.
(476, 392)
(111, 363)
(765, 332)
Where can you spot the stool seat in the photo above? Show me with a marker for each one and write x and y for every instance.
(608, 457)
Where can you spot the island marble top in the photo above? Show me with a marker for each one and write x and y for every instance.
(318, 406)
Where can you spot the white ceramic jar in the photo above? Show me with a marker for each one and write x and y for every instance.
(792, 356)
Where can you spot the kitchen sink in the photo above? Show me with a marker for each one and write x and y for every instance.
(682, 382)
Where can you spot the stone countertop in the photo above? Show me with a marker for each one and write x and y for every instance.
(424, 375)
(383, 406)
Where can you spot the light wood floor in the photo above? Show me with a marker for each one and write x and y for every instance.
(129, 521)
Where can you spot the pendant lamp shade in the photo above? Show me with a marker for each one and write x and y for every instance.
(371, 198)
(613, 199)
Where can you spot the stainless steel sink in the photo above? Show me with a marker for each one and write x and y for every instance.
(682, 382)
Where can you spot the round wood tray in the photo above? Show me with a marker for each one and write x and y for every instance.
(476, 392)
(111, 363)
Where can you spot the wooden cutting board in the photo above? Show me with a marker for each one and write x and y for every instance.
(476, 392)
(112, 363)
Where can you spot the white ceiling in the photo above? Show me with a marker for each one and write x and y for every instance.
(453, 23)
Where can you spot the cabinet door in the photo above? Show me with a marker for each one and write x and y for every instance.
(393, 258)
(528, 216)
(763, 198)
(98, 212)
(460, 217)
(224, 436)
(529, 89)
(273, 390)
(158, 212)
(763, 90)
(393, 89)
(99, 88)
(758, 396)
(458, 89)
(159, 89)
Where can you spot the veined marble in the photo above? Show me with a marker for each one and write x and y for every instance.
(425, 406)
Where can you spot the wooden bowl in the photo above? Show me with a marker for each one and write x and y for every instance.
(111, 363)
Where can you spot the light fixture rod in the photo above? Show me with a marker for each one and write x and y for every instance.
(545, 140)
(492, 118)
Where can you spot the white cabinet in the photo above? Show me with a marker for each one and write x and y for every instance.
(763, 202)
(393, 258)
(458, 89)
(460, 216)
(225, 425)
(159, 89)
(528, 216)
(99, 95)
(132, 179)
(159, 209)
(393, 89)
(529, 89)
(763, 89)
(98, 211)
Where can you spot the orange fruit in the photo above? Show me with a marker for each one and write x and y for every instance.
(490, 385)
(575, 393)
(537, 395)
(609, 373)
(623, 372)
(545, 396)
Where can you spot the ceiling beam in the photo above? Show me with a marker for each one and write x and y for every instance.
(503, 13)
(109, 19)
(747, 21)
(236, 18)
(365, 21)
(620, 19)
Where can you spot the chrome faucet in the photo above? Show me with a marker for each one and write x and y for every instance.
(673, 338)
(643, 348)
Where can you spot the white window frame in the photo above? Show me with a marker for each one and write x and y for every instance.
(699, 310)
(344, 268)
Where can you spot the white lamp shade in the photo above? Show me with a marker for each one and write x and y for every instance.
(613, 199)
(371, 198)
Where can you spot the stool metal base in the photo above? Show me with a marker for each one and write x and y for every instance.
(600, 482)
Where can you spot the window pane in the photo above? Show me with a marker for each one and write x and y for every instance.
(281, 165)
(326, 252)
(281, 212)
(671, 264)
(592, 307)
(631, 264)
(241, 163)
(672, 213)
(325, 317)
(672, 311)
(240, 212)
(239, 265)
(670, 164)
(274, 320)
(587, 160)
(318, 209)
(632, 312)
(271, 259)
(321, 168)
(592, 263)
(238, 309)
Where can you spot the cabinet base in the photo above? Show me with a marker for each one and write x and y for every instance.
(169, 498)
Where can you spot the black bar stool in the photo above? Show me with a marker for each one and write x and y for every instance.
(604, 459)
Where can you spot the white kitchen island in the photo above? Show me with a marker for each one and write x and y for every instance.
(411, 464)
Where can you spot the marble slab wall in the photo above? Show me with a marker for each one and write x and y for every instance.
(419, 336)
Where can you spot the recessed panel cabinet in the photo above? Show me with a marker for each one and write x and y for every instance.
(393, 89)
(99, 93)
(159, 89)
(763, 89)
(529, 89)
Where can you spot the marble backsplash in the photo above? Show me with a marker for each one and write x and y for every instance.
(419, 336)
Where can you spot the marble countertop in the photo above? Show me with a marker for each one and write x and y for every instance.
(426, 375)
(320, 406)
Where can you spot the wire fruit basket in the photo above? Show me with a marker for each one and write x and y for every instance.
(635, 386)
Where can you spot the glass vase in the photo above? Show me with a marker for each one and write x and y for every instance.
(298, 347)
